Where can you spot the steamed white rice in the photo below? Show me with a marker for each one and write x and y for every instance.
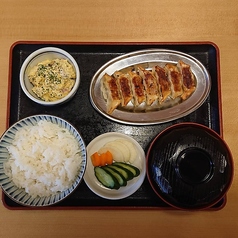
(44, 159)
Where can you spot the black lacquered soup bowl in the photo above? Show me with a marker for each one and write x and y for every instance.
(189, 166)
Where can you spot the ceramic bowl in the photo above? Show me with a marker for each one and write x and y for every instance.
(18, 194)
(189, 166)
(132, 186)
(46, 53)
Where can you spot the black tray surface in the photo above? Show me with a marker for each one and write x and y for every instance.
(79, 111)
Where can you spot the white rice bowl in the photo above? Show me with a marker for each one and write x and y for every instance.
(42, 160)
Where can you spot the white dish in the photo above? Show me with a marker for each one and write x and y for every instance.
(132, 185)
(47, 53)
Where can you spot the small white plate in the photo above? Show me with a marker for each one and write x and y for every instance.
(132, 185)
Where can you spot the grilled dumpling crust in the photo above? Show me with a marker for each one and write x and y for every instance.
(175, 78)
(124, 87)
(148, 87)
(150, 84)
(111, 93)
(137, 88)
(163, 82)
(188, 79)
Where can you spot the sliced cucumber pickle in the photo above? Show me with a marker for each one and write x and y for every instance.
(116, 175)
(106, 179)
(127, 174)
(130, 167)
(121, 180)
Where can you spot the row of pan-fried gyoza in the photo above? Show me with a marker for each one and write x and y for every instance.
(148, 85)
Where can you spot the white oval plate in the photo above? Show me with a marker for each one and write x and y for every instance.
(132, 185)
(149, 115)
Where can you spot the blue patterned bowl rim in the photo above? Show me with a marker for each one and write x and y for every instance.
(19, 195)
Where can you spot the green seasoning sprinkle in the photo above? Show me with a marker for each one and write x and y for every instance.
(51, 78)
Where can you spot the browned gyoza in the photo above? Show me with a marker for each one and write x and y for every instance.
(138, 90)
(124, 87)
(163, 82)
(110, 90)
(175, 79)
(148, 86)
(189, 82)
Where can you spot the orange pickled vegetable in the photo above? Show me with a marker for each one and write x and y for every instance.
(101, 159)
(109, 158)
(96, 159)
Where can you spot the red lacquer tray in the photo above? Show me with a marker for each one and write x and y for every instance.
(79, 111)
